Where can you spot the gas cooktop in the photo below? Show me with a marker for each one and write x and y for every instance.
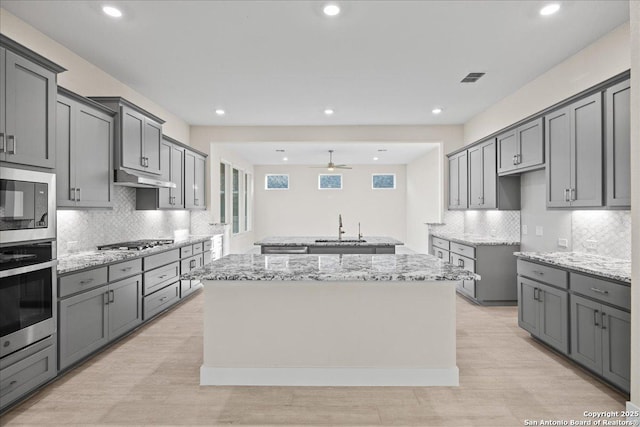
(136, 245)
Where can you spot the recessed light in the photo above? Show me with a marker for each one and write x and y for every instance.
(436, 110)
(375, 158)
(285, 158)
(112, 11)
(328, 111)
(331, 9)
(550, 9)
(220, 112)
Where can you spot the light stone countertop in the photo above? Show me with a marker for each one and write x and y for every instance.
(475, 239)
(597, 265)
(80, 260)
(311, 241)
(253, 267)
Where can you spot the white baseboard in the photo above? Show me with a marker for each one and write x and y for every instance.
(329, 377)
(636, 409)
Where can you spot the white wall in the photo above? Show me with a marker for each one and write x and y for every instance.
(425, 197)
(304, 210)
(85, 78)
(608, 56)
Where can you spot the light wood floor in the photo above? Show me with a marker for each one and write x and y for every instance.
(151, 378)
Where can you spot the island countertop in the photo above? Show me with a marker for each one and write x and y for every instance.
(253, 267)
(329, 241)
(476, 239)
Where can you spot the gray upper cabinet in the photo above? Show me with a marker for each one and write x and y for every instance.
(164, 194)
(171, 169)
(521, 149)
(574, 146)
(618, 143)
(84, 143)
(194, 180)
(458, 181)
(138, 136)
(486, 189)
(27, 106)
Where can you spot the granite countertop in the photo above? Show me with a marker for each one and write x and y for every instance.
(475, 239)
(311, 241)
(251, 267)
(81, 260)
(606, 267)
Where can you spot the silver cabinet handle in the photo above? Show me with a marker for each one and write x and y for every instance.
(86, 282)
(539, 273)
(572, 194)
(440, 254)
(192, 263)
(141, 161)
(72, 194)
(535, 293)
(113, 296)
(518, 159)
(600, 291)
(126, 269)
(595, 318)
(77, 194)
(566, 194)
(461, 263)
(14, 143)
(12, 383)
(162, 277)
(105, 298)
(2, 145)
(163, 298)
(515, 156)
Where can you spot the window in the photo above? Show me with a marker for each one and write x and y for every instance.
(236, 200)
(247, 190)
(330, 182)
(276, 182)
(223, 193)
(383, 181)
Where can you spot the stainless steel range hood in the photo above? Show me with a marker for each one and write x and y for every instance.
(131, 179)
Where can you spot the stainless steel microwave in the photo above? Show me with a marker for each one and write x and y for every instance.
(27, 205)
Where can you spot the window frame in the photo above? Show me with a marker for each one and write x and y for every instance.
(266, 182)
(395, 184)
(320, 175)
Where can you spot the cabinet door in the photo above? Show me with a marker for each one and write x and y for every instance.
(65, 177)
(3, 135)
(558, 148)
(530, 144)
(618, 141)
(462, 180)
(554, 317)
(164, 194)
(476, 176)
(489, 174)
(92, 144)
(454, 194)
(586, 156)
(152, 142)
(189, 179)
(528, 310)
(125, 305)
(83, 325)
(30, 106)
(616, 346)
(586, 335)
(199, 184)
(177, 176)
(507, 151)
(131, 148)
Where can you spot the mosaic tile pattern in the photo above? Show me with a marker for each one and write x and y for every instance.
(90, 228)
(202, 224)
(330, 268)
(452, 222)
(606, 233)
(501, 224)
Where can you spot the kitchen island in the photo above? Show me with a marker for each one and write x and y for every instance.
(328, 245)
(329, 320)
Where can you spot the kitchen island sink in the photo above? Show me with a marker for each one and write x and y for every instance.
(328, 245)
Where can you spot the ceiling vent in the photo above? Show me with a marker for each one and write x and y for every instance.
(472, 77)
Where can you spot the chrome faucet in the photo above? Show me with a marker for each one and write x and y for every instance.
(359, 232)
(340, 230)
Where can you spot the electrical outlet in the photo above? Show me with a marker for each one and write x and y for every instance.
(563, 243)
(591, 244)
(525, 230)
(538, 230)
(493, 232)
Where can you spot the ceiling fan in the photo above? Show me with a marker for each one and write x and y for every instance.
(331, 166)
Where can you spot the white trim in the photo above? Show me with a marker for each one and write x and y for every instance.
(384, 174)
(267, 175)
(635, 409)
(323, 377)
(330, 188)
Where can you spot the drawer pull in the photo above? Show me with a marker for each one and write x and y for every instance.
(535, 294)
(440, 254)
(163, 298)
(595, 318)
(461, 263)
(126, 269)
(85, 282)
(12, 383)
(600, 291)
(162, 277)
(538, 272)
(113, 296)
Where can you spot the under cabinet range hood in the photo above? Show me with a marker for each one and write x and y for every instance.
(131, 179)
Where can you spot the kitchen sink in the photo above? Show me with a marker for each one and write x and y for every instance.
(340, 241)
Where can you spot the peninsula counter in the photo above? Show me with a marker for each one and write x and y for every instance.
(329, 320)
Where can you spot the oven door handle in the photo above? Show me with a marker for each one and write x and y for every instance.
(28, 269)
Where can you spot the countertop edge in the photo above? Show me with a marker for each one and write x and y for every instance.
(625, 280)
(475, 244)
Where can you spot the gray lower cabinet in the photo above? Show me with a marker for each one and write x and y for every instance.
(458, 198)
(194, 180)
(574, 143)
(91, 319)
(27, 106)
(618, 144)
(521, 149)
(161, 300)
(84, 143)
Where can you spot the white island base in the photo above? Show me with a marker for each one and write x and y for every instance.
(329, 333)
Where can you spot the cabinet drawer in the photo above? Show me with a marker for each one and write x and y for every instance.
(156, 279)
(198, 248)
(463, 262)
(186, 251)
(550, 275)
(441, 253)
(160, 259)
(164, 298)
(440, 243)
(125, 269)
(186, 265)
(468, 251)
(207, 245)
(189, 286)
(601, 290)
(21, 377)
(82, 281)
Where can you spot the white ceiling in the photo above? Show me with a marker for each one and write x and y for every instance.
(350, 153)
(284, 62)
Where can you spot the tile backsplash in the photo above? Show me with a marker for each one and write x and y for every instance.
(606, 233)
(80, 230)
(493, 223)
(201, 223)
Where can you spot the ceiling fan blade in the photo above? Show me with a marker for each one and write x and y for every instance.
(342, 167)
